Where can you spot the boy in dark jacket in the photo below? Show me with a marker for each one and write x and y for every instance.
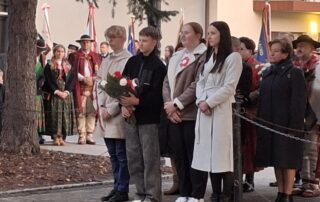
(142, 141)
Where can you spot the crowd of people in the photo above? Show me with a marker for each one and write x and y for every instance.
(183, 110)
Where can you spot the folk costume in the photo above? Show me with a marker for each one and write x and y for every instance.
(39, 99)
(59, 77)
(311, 69)
(85, 64)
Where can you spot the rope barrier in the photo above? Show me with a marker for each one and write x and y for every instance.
(274, 124)
(275, 131)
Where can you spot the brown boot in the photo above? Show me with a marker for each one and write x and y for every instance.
(56, 140)
(175, 186)
(89, 139)
(82, 138)
(62, 143)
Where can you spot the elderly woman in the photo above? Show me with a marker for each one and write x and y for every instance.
(282, 103)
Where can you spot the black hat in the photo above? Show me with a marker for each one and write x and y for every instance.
(307, 39)
(85, 37)
(41, 44)
(73, 47)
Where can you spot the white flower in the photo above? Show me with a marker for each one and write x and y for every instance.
(123, 82)
(103, 83)
(135, 82)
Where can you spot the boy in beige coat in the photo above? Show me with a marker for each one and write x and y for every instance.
(110, 121)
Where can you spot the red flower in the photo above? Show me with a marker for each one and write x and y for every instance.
(129, 83)
(118, 75)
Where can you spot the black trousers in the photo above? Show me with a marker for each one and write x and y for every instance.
(191, 181)
(216, 181)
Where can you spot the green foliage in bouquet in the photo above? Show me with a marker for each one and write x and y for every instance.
(117, 86)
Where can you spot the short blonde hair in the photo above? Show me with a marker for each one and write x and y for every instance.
(116, 31)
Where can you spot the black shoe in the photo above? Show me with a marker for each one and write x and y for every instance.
(41, 140)
(279, 197)
(119, 197)
(286, 198)
(224, 198)
(297, 183)
(248, 187)
(273, 184)
(215, 197)
(109, 196)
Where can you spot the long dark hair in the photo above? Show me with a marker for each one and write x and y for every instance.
(224, 47)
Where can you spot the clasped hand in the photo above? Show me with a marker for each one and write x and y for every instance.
(129, 101)
(204, 108)
(62, 95)
(173, 114)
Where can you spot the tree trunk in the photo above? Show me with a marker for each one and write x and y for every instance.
(152, 19)
(155, 22)
(19, 133)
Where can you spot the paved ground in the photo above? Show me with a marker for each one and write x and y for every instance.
(263, 193)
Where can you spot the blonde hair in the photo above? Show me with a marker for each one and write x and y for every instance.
(116, 31)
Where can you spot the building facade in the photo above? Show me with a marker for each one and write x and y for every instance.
(68, 18)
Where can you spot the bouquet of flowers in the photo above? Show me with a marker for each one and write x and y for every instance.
(117, 85)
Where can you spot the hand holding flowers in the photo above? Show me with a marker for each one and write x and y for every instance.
(124, 90)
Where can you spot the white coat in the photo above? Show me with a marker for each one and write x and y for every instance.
(213, 147)
(112, 127)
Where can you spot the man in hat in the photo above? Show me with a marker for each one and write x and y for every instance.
(309, 63)
(85, 64)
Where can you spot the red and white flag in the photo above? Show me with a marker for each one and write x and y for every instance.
(91, 27)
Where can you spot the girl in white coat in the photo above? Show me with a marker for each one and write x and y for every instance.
(213, 146)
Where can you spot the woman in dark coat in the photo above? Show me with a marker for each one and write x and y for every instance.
(282, 102)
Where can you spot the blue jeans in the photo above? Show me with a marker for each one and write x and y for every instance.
(118, 157)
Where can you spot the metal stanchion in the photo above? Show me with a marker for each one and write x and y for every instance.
(237, 151)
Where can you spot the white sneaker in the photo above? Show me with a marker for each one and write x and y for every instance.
(195, 200)
(181, 199)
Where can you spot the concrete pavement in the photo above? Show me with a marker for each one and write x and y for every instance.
(263, 193)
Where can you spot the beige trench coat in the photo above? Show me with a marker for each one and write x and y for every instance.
(113, 127)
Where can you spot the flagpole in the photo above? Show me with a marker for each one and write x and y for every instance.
(133, 34)
(46, 27)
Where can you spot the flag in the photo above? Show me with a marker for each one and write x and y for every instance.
(46, 26)
(91, 27)
(265, 34)
(131, 41)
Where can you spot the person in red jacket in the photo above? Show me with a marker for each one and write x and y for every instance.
(85, 64)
